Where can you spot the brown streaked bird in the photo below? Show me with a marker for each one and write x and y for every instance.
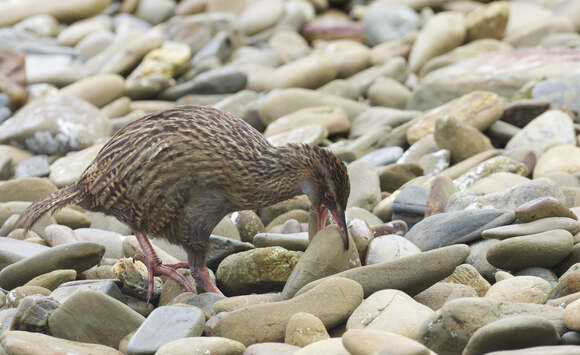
(177, 173)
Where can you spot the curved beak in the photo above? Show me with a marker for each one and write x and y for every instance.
(340, 220)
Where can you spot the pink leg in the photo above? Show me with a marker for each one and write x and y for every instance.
(156, 268)
(203, 280)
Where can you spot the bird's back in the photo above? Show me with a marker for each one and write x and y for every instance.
(148, 170)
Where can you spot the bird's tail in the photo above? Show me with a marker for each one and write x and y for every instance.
(70, 194)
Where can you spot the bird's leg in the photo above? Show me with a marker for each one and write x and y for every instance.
(203, 280)
(156, 268)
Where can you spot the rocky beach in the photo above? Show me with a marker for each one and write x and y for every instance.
(459, 122)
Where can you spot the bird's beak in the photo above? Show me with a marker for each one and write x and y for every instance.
(340, 220)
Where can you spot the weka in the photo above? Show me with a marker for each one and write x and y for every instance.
(177, 173)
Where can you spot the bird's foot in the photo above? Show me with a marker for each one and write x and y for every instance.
(204, 281)
(156, 268)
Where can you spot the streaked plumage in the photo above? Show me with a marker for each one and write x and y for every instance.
(177, 173)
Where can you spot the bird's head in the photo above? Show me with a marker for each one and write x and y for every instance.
(328, 188)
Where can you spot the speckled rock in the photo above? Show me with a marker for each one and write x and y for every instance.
(261, 269)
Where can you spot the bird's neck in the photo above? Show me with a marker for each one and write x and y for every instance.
(282, 175)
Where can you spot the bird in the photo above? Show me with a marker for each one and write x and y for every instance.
(176, 173)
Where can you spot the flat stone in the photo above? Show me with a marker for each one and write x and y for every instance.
(12, 250)
(442, 292)
(455, 227)
(410, 204)
(78, 256)
(371, 341)
(550, 128)
(393, 176)
(365, 185)
(257, 270)
(304, 329)
(280, 103)
(502, 72)
(202, 345)
(331, 301)
(231, 304)
(292, 241)
(392, 311)
(221, 247)
(508, 199)
(29, 343)
(324, 256)
(44, 133)
(449, 330)
(406, 274)
(447, 25)
(534, 227)
(51, 280)
(94, 317)
(164, 325)
(525, 289)
(462, 140)
(383, 156)
(543, 249)
(479, 109)
(512, 333)
(107, 287)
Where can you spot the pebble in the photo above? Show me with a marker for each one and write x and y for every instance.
(107, 287)
(462, 140)
(442, 292)
(479, 109)
(365, 185)
(324, 256)
(455, 227)
(392, 311)
(12, 250)
(271, 348)
(331, 301)
(396, 274)
(371, 341)
(538, 226)
(21, 342)
(388, 92)
(52, 280)
(393, 176)
(333, 119)
(525, 289)
(383, 23)
(552, 160)
(304, 329)
(454, 324)
(328, 346)
(41, 125)
(164, 325)
(512, 333)
(261, 269)
(429, 43)
(78, 256)
(389, 247)
(290, 241)
(488, 22)
(410, 204)
(549, 129)
(36, 166)
(202, 345)
(543, 208)
(93, 317)
(543, 249)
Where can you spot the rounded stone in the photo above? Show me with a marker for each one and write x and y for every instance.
(328, 346)
(21, 342)
(202, 345)
(331, 301)
(512, 333)
(572, 315)
(442, 292)
(304, 329)
(389, 92)
(257, 270)
(543, 249)
(528, 289)
(99, 90)
(389, 247)
(561, 158)
(371, 341)
(462, 140)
